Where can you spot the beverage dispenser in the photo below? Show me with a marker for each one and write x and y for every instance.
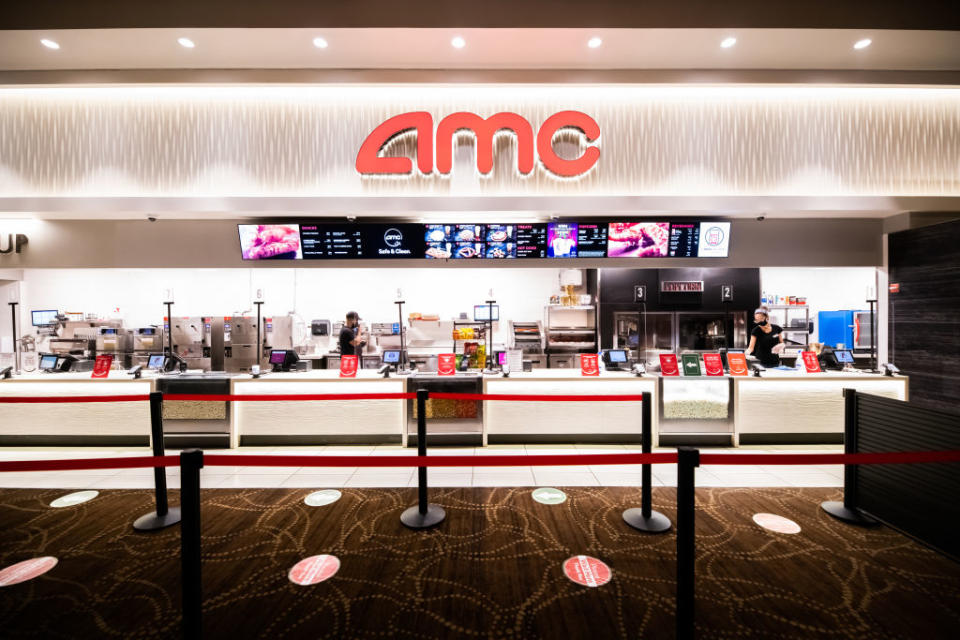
(190, 342)
(277, 334)
(239, 343)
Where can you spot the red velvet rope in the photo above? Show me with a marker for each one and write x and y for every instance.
(534, 398)
(190, 397)
(213, 460)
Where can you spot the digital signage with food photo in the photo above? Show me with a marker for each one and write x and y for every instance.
(467, 250)
(562, 240)
(270, 242)
(638, 240)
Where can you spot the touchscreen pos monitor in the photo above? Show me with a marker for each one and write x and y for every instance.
(844, 356)
(391, 356)
(48, 362)
(44, 318)
(283, 359)
(157, 361)
(614, 358)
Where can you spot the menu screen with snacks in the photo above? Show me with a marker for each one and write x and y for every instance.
(270, 242)
(592, 240)
(531, 241)
(333, 242)
(470, 241)
(684, 239)
(638, 240)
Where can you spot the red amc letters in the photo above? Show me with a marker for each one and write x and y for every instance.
(370, 163)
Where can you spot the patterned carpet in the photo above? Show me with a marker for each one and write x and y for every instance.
(491, 570)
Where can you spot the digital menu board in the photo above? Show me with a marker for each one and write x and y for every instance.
(684, 239)
(592, 240)
(531, 241)
(629, 239)
(393, 241)
(470, 241)
(638, 240)
(335, 242)
(270, 242)
(562, 238)
(714, 240)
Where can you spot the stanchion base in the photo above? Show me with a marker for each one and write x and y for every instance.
(416, 520)
(152, 522)
(656, 523)
(853, 516)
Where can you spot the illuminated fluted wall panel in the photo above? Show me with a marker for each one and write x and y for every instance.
(303, 140)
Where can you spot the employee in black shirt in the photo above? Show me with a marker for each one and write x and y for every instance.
(351, 342)
(764, 339)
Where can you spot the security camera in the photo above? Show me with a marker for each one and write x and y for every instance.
(351, 218)
(761, 218)
(152, 218)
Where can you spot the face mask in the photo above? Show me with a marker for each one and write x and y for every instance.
(762, 323)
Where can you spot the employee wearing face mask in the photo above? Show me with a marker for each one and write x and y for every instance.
(351, 341)
(765, 339)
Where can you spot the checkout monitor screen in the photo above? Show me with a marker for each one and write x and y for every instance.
(278, 356)
(156, 361)
(44, 318)
(844, 356)
(48, 362)
(617, 356)
(481, 312)
(391, 356)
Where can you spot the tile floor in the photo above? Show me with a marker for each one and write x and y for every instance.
(466, 476)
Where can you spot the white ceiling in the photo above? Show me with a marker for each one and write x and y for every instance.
(485, 49)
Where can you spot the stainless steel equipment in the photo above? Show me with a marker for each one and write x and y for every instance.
(116, 342)
(527, 337)
(672, 332)
(192, 341)
(570, 330)
(239, 343)
(277, 334)
(146, 340)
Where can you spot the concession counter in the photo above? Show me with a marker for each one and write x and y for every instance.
(780, 407)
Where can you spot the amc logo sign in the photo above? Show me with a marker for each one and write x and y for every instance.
(369, 161)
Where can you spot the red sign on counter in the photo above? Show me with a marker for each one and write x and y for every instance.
(589, 364)
(446, 364)
(349, 366)
(737, 363)
(668, 364)
(713, 364)
(101, 368)
(810, 361)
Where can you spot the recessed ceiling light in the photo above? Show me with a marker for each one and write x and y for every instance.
(862, 44)
(186, 42)
(458, 42)
(319, 43)
(49, 44)
(728, 42)
(593, 43)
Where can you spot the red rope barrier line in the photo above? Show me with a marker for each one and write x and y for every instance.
(190, 397)
(214, 460)
(69, 399)
(90, 463)
(535, 398)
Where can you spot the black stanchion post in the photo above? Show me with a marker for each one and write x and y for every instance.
(847, 510)
(645, 518)
(191, 462)
(688, 459)
(163, 516)
(424, 514)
